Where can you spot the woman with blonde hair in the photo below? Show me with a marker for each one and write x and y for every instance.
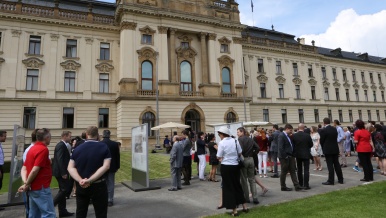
(316, 150)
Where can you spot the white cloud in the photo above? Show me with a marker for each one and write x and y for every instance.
(353, 32)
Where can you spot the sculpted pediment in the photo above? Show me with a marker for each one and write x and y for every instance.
(70, 65)
(224, 40)
(147, 53)
(346, 85)
(33, 62)
(225, 60)
(312, 82)
(280, 79)
(336, 84)
(262, 78)
(356, 86)
(147, 30)
(297, 81)
(373, 87)
(381, 87)
(104, 67)
(326, 84)
(364, 86)
(186, 53)
(185, 38)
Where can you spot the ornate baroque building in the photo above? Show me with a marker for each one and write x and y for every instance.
(74, 63)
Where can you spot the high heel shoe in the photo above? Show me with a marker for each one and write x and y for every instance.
(220, 207)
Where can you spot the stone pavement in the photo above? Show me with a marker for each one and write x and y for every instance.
(202, 197)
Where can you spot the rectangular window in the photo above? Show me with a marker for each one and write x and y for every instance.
(310, 72)
(347, 95)
(366, 96)
(354, 78)
(32, 80)
(104, 83)
(363, 77)
(105, 51)
(337, 94)
(1, 35)
(324, 74)
(103, 119)
(329, 113)
(350, 116)
(297, 90)
(284, 115)
(383, 96)
(340, 115)
(301, 115)
(265, 115)
(369, 115)
(344, 75)
(224, 48)
(334, 74)
(34, 45)
(29, 117)
(326, 95)
(263, 90)
(147, 39)
(184, 44)
(375, 96)
(281, 91)
(71, 48)
(295, 67)
(278, 67)
(68, 118)
(371, 78)
(379, 78)
(316, 115)
(69, 81)
(313, 92)
(260, 65)
(360, 114)
(378, 116)
(357, 94)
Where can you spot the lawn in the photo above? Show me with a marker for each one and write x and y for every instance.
(362, 201)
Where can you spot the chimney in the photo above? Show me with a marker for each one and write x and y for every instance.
(302, 41)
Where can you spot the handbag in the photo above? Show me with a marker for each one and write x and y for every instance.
(240, 158)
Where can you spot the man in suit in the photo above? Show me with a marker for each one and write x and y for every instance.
(176, 159)
(187, 159)
(287, 160)
(3, 137)
(59, 169)
(114, 165)
(302, 150)
(274, 149)
(328, 140)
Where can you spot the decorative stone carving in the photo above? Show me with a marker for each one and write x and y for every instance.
(262, 78)
(70, 65)
(162, 29)
(251, 57)
(147, 30)
(173, 31)
(146, 53)
(186, 53)
(280, 79)
(297, 81)
(237, 40)
(16, 33)
(2, 60)
(381, 87)
(128, 25)
(365, 86)
(374, 87)
(212, 36)
(33, 62)
(224, 40)
(346, 85)
(225, 60)
(356, 86)
(54, 37)
(336, 84)
(89, 40)
(147, 2)
(312, 82)
(104, 67)
(246, 77)
(185, 38)
(326, 84)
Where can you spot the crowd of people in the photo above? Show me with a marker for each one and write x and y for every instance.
(262, 149)
(83, 165)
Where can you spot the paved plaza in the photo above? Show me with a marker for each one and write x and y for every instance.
(202, 197)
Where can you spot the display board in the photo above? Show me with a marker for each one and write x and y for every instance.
(231, 126)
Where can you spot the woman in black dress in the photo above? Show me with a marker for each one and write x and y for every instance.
(212, 157)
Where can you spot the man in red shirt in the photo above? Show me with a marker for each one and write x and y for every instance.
(37, 174)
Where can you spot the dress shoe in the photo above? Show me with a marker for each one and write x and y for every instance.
(340, 182)
(365, 180)
(275, 176)
(307, 188)
(67, 214)
(327, 183)
(186, 183)
(255, 201)
(110, 204)
(179, 188)
(172, 189)
(299, 188)
(286, 189)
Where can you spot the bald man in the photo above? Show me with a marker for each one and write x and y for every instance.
(176, 159)
(302, 151)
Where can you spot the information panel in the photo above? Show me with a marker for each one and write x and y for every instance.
(232, 128)
(139, 144)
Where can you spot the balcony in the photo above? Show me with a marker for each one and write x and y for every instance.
(191, 94)
(142, 92)
(228, 95)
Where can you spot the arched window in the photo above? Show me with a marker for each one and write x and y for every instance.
(149, 118)
(231, 117)
(226, 80)
(186, 76)
(147, 76)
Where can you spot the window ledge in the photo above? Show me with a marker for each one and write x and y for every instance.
(311, 77)
(300, 99)
(282, 98)
(34, 55)
(102, 60)
(315, 99)
(71, 58)
(261, 72)
(263, 98)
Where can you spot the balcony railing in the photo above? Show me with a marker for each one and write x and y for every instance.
(191, 94)
(228, 95)
(146, 92)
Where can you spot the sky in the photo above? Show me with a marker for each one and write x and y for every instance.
(353, 25)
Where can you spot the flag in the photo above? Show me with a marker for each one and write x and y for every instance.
(252, 5)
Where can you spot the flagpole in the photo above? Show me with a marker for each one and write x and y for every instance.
(253, 19)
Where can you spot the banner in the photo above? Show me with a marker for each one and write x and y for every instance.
(139, 145)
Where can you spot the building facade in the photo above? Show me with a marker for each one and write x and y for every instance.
(71, 64)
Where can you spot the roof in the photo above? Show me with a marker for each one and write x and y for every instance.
(270, 34)
(338, 53)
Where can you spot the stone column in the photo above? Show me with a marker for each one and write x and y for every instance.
(213, 76)
(163, 68)
(173, 71)
(204, 59)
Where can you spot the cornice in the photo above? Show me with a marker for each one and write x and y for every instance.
(286, 51)
(45, 20)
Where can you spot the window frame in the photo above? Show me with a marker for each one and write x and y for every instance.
(146, 79)
(366, 95)
(350, 116)
(313, 92)
(103, 117)
(227, 83)
(347, 94)
(66, 117)
(324, 73)
(295, 69)
(334, 76)
(284, 116)
(297, 92)
(33, 80)
(301, 115)
(329, 114)
(145, 39)
(260, 65)
(310, 71)
(189, 85)
(344, 75)
(103, 83)
(266, 115)
(357, 95)
(263, 90)
(316, 115)
(337, 94)
(70, 49)
(69, 82)
(326, 94)
(278, 68)
(281, 91)
(340, 112)
(29, 119)
(35, 45)
(224, 48)
(150, 121)
(104, 53)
